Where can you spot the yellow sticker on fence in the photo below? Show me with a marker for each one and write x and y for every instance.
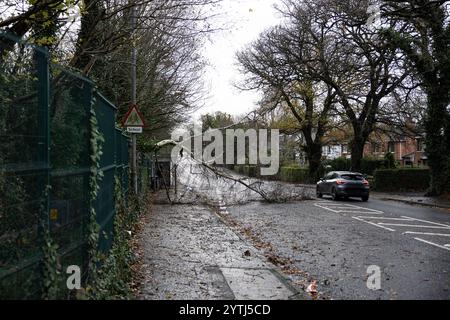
(53, 214)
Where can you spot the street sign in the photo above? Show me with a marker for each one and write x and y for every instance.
(133, 120)
(134, 129)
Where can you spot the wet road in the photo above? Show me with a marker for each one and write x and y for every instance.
(335, 243)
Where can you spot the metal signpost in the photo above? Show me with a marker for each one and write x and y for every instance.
(134, 124)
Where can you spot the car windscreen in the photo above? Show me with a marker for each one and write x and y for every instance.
(356, 177)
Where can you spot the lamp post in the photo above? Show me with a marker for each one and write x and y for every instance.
(133, 97)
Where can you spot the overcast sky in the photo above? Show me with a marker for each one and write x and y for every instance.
(245, 20)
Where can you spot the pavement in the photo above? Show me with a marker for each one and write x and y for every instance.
(414, 199)
(191, 254)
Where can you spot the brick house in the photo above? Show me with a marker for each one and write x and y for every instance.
(408, 150)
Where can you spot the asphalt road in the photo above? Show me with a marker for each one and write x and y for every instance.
(336, 242)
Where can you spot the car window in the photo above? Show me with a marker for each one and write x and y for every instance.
(329, 176)
(355, 177)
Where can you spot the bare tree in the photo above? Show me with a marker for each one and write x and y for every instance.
(95, 38)
(340, 50)
(268, 65)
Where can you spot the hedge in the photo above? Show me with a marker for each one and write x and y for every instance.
(239, 168)
(410, 179)
(250, 171)
(247, 170)
(295, 174)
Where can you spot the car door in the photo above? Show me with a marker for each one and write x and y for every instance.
(328, 182)
(323, 185)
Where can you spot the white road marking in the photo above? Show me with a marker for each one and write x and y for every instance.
(438, 224)
(384, 218)
(428, 233)
(374, 224)
(345, 211)
(345, 208)
(368, 209)
(326, 208)
(433, 244)
(353, 209)
(412, 225)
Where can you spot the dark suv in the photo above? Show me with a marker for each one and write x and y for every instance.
(343, 184)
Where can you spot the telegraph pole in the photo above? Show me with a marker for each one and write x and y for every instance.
(133, 96)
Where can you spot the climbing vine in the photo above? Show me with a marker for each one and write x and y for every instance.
(50, 267)
(115, 274)
(109, 276)
(95, 177)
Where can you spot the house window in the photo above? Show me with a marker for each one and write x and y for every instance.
(376, 147)
(391, 146)
(420, 145)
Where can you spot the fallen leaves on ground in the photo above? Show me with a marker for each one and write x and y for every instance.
(286, 265)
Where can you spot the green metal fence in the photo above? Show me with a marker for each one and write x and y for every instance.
(45, 141)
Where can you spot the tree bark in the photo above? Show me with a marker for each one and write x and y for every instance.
(357, 150)
(314, 156)
(437, 140)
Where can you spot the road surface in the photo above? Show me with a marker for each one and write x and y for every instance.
(336, 242)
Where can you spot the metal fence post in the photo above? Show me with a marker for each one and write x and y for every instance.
(43, 88)
(44, 118)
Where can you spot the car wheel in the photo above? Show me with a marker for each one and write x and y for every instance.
(319, 195)
(365, 198)
(334, 195)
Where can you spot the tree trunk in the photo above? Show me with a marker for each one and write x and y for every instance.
(357, 151)
(89, 35)
(437, 125)
(314, 156)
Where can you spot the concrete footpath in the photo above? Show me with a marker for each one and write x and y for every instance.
(414, 198)
(189, 253)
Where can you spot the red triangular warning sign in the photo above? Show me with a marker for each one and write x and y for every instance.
(133, 118)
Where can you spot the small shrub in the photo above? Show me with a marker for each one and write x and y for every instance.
(389, 160)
